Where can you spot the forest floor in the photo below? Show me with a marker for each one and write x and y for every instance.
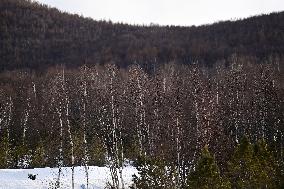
(47, 177)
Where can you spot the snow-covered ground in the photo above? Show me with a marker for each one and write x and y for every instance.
(46, 178)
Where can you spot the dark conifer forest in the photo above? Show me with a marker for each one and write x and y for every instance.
(191, 107)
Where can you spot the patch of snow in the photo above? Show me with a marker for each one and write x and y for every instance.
(46, 178)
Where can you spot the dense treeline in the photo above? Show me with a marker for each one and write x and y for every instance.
(103, 114)
(36, 36)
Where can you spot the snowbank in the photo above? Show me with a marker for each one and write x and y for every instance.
(46, 177)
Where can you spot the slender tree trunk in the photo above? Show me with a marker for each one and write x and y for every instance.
(178, 152)
(114, 134)
(60, 159)
(86, 159)
(26, 117)
(69, 129)
(140, 112)
(9, 117)
(122, 159)
(8, 130)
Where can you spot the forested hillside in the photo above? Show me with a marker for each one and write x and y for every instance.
(189, 107)
(36, 36)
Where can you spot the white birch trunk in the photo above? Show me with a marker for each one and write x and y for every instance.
(26, 117)
(178, 147)
(9, 117)
(68, 128)
(197, 117)
(114, 136)
(141, 121)
(60, 160)
(86, 159)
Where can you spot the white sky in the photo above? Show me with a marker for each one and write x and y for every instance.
(167, 12)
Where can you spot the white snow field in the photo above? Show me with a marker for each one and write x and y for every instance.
(46, 178)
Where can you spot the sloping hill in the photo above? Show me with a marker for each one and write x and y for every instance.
(36, 36)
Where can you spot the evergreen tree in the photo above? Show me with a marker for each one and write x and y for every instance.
(267, 175)
(207, 174)
(153, 174)
(38, 158)
(280, 173)
(97, 152)
(243, 166)
(5, 153)
(252, 166)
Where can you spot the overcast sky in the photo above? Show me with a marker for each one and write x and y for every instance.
(167, 12)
